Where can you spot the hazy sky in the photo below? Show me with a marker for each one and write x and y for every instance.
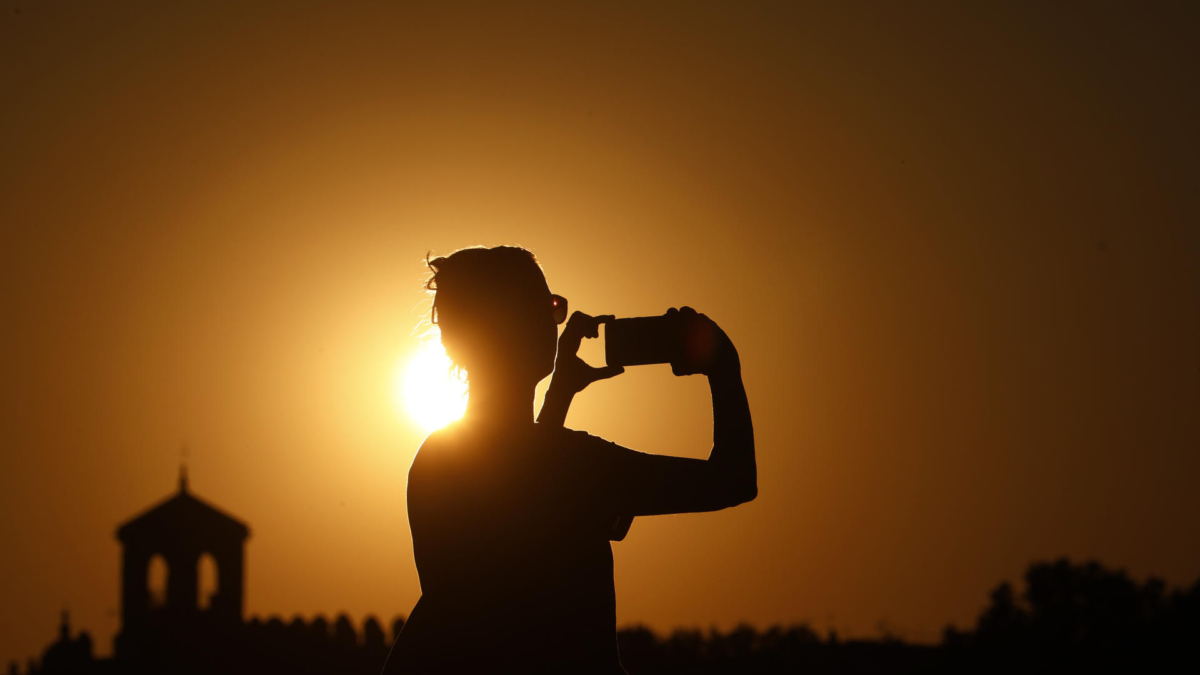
(957, 249)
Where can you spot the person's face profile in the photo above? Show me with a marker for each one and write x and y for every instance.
(525, 329)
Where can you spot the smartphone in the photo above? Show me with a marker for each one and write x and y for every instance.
(642, 340)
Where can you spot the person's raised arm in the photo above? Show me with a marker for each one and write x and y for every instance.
(733, 432)
(571, 376)
(645, 484)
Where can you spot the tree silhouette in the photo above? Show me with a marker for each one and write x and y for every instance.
(1067, 618)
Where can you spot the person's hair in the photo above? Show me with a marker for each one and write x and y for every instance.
(468, 283)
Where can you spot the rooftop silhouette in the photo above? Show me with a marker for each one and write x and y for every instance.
(1068, 616)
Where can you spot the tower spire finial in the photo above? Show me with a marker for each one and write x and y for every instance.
(183, 457)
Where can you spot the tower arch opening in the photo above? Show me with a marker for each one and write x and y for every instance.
(208, 581)
(158, 573)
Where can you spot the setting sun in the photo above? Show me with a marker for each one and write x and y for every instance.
(428, 391)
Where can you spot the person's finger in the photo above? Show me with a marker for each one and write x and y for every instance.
(594, 331)
(578, 322)
(606, 372)
(596, 321)
(572, 335)
(682, 370)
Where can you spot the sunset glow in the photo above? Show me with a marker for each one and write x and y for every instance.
(950, 243)
(429, 393)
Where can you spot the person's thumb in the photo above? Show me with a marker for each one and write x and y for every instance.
(607, 372)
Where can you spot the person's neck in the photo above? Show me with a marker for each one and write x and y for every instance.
(500, 403)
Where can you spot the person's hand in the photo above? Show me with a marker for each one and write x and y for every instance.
(571, 373)
(706, 349)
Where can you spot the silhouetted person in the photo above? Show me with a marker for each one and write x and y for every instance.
(511, 519)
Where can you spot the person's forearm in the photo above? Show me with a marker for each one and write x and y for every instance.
(733, 432)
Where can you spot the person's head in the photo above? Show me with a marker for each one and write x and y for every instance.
(495, 312)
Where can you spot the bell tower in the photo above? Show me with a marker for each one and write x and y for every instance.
(179, 530)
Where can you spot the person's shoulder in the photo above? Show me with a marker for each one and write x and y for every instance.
(436, 447)
(577, 439)
(562, 434)
(594, 453)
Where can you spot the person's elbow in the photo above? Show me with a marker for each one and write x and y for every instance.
(737, 491)
(744, 491)
(731, 486)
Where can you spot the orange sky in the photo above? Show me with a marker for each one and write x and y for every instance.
(957, 250)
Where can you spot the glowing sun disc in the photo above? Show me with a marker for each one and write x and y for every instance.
(431, 395)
